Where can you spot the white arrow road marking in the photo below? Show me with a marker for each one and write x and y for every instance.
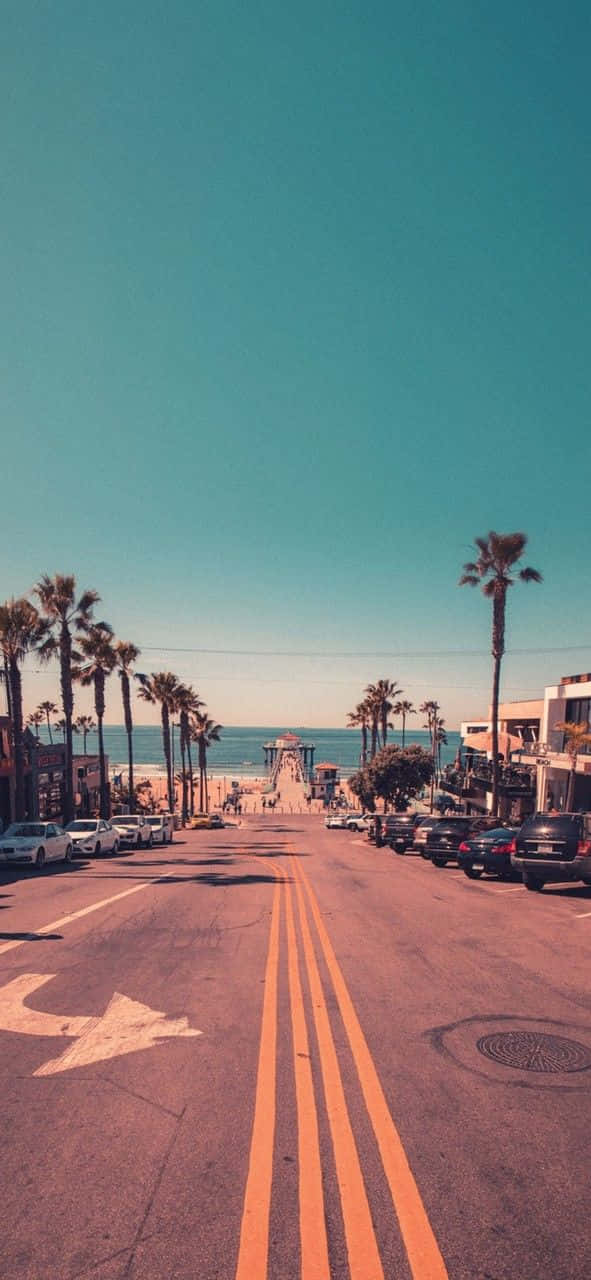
(125, 1027)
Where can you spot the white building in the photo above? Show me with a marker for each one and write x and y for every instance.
(569, 700)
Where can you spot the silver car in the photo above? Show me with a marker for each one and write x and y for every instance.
(162, 825)
(134, 829)
(93, 835)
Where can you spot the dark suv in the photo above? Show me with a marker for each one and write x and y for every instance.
(401, 831)
(445, 839)
(554, 847)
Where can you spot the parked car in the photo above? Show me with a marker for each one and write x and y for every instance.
(553, 847)
(421, 831)
(336, 820)
(205, 820)
(445, 838)
(35, 843)
(358, 821)
(93, 835)
(134, 829)
(162, 825)
(490, 852)
(383, 827)
(401, 830)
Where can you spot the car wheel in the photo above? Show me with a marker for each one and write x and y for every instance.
(150, 841)
(399, 851)
(97, 848)
(439, 862)
(40, 859)
(68, 853)
(116, 848)
(533, 882)
(425, 854)
(472, 873)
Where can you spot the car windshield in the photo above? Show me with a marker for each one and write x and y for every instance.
(558, 825)
(89, 825)
(155, 822)
(26, 829)
(124, 821)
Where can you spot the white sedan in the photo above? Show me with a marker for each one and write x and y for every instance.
(35, 843)
(358, 821)
(93, 835)
(162, 825)
(338, 820)
(134, 829)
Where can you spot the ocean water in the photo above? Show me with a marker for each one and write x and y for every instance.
(240, 753)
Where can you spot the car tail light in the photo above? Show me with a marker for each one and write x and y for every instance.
(512, 848)
(464, 847)
(584, 848)
(504, 848)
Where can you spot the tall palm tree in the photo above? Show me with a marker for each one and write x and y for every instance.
(577, 737)
(386, 690)
(359, 719)
(48, 709)
(125, 656)
(84, 725)
(35, 719)
(162, 687)
(204, 731)
(431, 708)
(22, 629)
(60, 727)
(188, 704)
(403, 708)
(65, 614)
(498, 556)
(372, 700)
(97, 663)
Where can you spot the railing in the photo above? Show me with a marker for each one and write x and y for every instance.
(511, 777)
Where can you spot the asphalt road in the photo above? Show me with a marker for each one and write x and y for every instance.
(340, 1113)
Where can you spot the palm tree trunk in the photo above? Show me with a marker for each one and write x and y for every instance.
(374, 736)
(201, 776)
(99, 706)
(570, 796)
(183, 775)
(384, 727)
(49, 728)
(498, 648)
(363, 746)
(68, 709)
(191, 783)
(167, 754)
(126, 697)
(403, 728)
(84, 737)
(16, 704)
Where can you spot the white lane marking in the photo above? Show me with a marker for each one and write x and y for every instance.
(583, 915)
(125, 1027)
(77, 915)
(516, 889)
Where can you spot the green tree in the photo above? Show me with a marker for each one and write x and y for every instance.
(49, 709)
(404, 709)
(66, 614)
(577, 737)
(360, 719)
(22, 630)
(161, 687)
(36, 719)
(361, 785)
(125, 656)
(204, 731)
(498, 557)
(84, 725)
(399, 773)
(97, 663)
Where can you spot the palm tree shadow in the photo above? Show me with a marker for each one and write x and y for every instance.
(32, 937)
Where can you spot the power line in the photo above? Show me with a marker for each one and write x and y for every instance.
(375, 653)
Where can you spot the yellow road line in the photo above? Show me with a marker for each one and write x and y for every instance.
(424, 1256)
(364, 1258)
(314, 1246)
(254, 1231)
(77, 915)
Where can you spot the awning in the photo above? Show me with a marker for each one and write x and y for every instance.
(483, 742)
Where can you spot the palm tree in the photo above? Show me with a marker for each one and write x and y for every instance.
(204, 731)
(404, 709)
(386, 690)
(22, 629)
(188, 703)
(125, 656)
(84, 725)
(48, 709)
(372, 700)
(96, 646)
(162, 687)
(498, 555)
(430, 708)
(64, 613)
(440, 740)
(359, 719)
(60, 727)
(577, 737)
(35, 719)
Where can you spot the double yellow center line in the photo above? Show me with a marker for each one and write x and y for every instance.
(424, 1257)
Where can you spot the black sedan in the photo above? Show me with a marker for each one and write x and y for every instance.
(490, 852)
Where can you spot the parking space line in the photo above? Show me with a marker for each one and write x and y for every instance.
(77, 915)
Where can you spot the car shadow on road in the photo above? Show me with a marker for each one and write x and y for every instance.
(580, 892)
(10, 875)
(31, 937)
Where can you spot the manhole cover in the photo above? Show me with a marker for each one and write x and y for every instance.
(535, 1051)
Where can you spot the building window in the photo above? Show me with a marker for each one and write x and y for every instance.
(578, 710)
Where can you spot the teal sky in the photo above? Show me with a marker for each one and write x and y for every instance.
(295, 303)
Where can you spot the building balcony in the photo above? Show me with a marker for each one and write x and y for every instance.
(514, 780)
